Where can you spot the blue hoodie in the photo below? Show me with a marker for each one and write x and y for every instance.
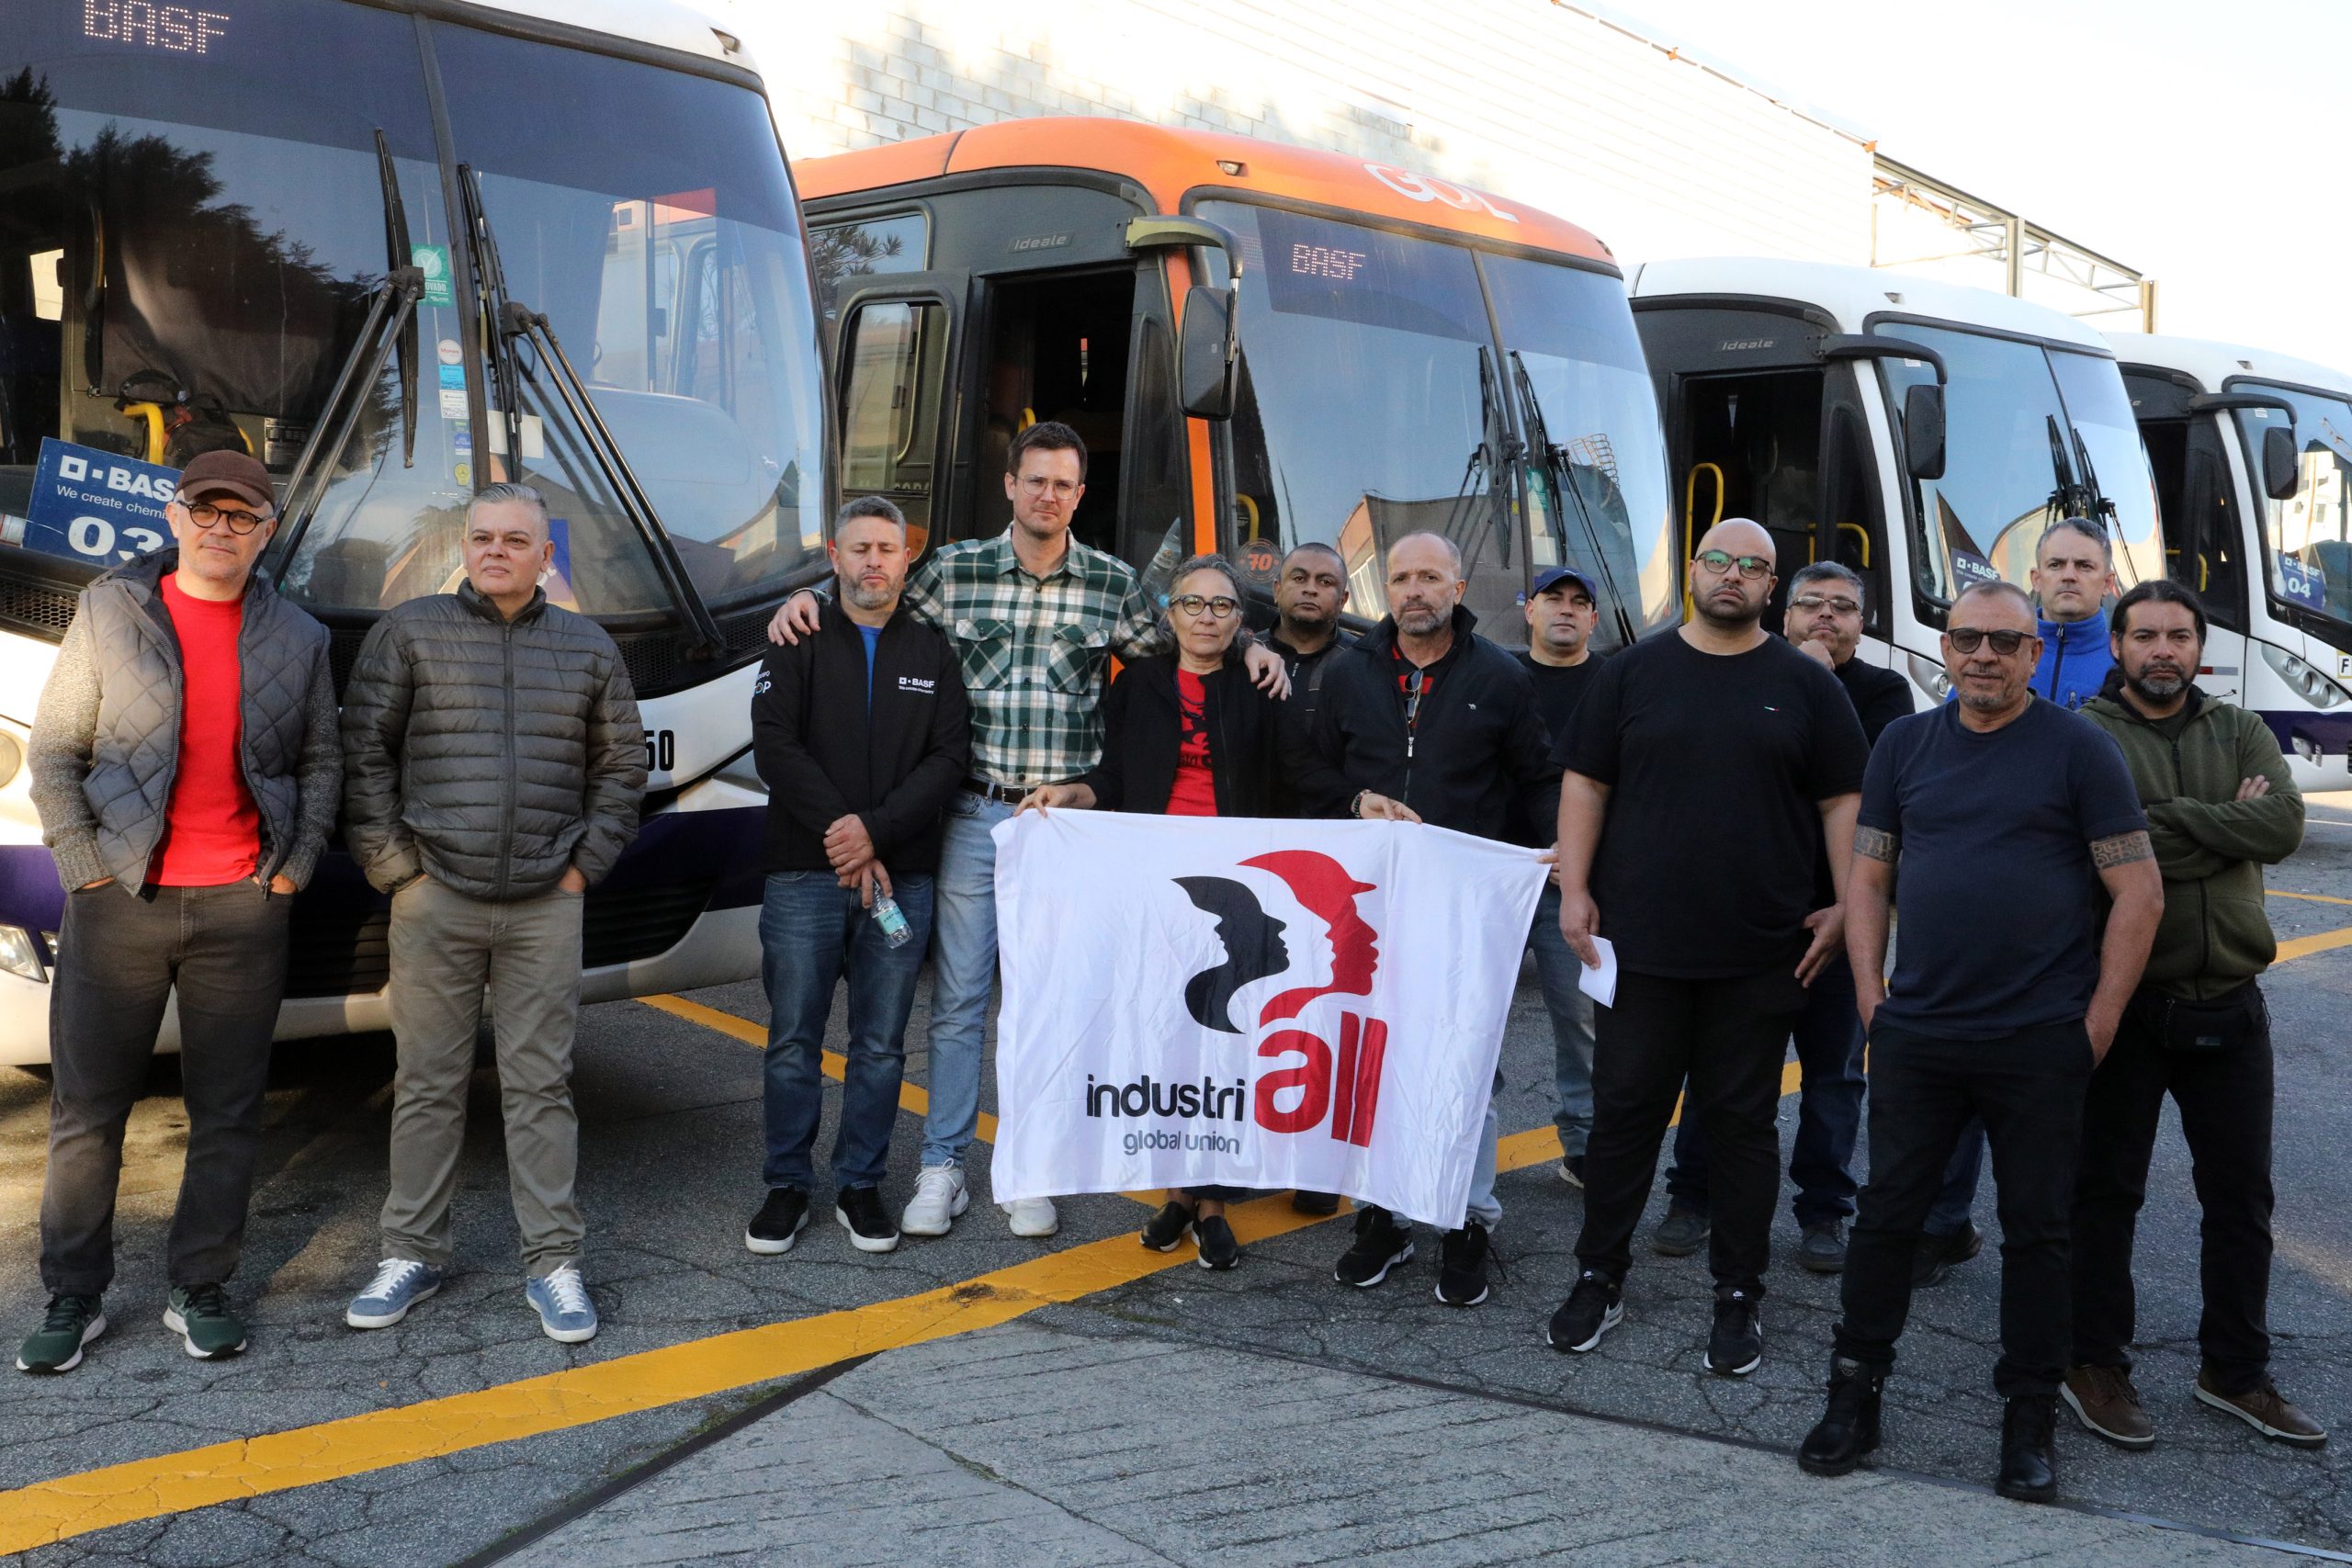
(2075, 657)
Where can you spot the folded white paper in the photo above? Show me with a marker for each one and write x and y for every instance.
(1600, 984)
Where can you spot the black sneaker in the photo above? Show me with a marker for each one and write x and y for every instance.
(1938, 1256)
(1737, 1344)
(1822, 1250)
(1315, 1202)
(1462, 1267)
(778, 1225)
(1220, 1248)
(1166, 1228)
(1572, 1170)
(1681, 1233)
(1592, 1309)
(1381, 1245)
(860, 1212)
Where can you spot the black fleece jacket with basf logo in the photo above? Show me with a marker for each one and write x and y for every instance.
(824, 756)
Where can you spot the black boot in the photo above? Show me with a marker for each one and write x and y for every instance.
(2028, 1449)
(1848, 1429)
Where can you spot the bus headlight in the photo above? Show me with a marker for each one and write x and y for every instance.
(12, 758)
(2302, 680)
(20, 954)
(1933, 677)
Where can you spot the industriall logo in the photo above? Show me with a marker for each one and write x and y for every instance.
(1335, 1084)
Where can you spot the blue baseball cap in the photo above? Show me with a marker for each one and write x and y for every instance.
(1551, 576)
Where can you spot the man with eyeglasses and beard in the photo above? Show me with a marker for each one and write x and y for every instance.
(2007, 817)
(1426, 721)
(2221, 806)
(1708, 770)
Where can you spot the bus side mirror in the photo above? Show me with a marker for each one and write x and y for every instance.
(1207, 353)
(2281, 470)
(1922, 431)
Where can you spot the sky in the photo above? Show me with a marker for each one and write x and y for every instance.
(2203, 145)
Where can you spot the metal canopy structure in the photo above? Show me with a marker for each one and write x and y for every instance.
(1981, 231)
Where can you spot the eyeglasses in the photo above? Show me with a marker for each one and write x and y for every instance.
(204, 514)
(1810, 604)
(1721, 564)
(1042, 484)
(1414, 683)
(1193, 604)
(1968, 640)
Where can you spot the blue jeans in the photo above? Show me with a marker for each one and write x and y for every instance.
(963, 972)
(1829, 1036)
(812, 931)
(1556, 967)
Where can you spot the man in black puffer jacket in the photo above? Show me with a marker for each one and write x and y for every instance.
(493, 767)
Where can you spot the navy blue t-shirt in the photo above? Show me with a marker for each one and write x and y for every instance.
(872, 635)
(1999, 901)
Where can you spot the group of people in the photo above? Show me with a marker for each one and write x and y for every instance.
(2079, 834)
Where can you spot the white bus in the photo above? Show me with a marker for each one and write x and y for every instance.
(1921, 433)
(398, 251)
(2253, 458)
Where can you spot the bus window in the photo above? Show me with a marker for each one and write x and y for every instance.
(1853, 515)
(1056, 349)
(890, 400)
(862, 247)
(2192, 479)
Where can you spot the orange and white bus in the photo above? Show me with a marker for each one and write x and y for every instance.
(1262, 347)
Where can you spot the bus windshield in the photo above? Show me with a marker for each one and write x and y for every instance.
(193, 237)
(2307, 538)
(1603, 503)
(2013, 412)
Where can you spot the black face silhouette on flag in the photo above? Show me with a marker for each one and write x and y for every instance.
(1253, 948)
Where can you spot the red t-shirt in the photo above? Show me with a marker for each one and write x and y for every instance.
(212, 830)
(1194, 791)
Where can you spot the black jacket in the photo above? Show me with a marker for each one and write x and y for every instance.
(1142, 729)
(492, 754)
(1294, 719)
(1477, 761)
(824, 756)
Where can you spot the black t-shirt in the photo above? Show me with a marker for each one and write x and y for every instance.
(1716, 765)
(1999, 899)
(1558, 689)
(1881, 696)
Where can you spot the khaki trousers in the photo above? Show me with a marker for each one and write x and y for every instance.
(447, 950)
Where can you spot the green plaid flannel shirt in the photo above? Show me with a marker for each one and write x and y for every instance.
(1036, 651)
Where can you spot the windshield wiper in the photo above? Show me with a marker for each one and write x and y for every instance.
(1497, 455)
(391, 328)
(1557, 466)
(511, 322)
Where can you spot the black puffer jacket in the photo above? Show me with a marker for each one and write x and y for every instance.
(489, 754)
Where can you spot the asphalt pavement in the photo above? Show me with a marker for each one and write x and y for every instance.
(981, 1398)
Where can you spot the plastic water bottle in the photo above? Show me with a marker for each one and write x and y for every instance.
(892, 920)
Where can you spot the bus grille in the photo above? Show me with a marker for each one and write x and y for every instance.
(348, 956)
(37, 607)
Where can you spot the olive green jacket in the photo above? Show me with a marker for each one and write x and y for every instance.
(2211, 846)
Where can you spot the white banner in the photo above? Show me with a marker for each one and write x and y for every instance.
(1194, 1001)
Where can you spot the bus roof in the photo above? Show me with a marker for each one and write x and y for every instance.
(667, 24)
(1851, 295)
(2212, 365)
(1170, 163)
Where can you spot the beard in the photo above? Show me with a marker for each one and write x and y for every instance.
(2157, 683)
(865, 598)
(1720, 614)
(1420, 621)
(1313, 623)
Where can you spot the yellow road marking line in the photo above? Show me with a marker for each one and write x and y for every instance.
(2308, 897)
(70, 1505)
(2304, 946)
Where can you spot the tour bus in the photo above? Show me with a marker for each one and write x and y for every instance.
(398, 251)
(2253, 456)
(1261, 346)
(1921, 433)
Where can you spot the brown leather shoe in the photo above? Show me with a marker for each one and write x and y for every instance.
(2103, 1399)
(2265, 1410)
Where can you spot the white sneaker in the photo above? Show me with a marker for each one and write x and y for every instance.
(1033, 1216)
(940, 1196)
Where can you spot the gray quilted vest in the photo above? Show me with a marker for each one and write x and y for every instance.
(135, 751)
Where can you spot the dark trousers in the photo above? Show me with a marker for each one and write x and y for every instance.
(813, 931)
(1726, 1037)
(1829, 1038)
(1948, 1217)
(2029, 1091)
(2225, 1104)
(120, 956)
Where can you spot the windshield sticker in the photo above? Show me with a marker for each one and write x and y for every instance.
(449, 351)
(454, 376)
(453, 402)
(2300, 582)
(434, 262)
(1970, 570)
(95, 506)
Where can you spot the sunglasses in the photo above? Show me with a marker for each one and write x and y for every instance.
(1968, 640)
(1721, 564)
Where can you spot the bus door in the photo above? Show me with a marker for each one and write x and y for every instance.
(895, 340)
(1759, 424)
(2198, 500)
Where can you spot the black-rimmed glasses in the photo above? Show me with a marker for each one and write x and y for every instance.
(1722, 562)
(204, 514)
(1193, 604)
(1968, 640)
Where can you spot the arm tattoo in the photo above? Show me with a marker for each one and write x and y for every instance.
(2122, 850)
(1877, 843)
